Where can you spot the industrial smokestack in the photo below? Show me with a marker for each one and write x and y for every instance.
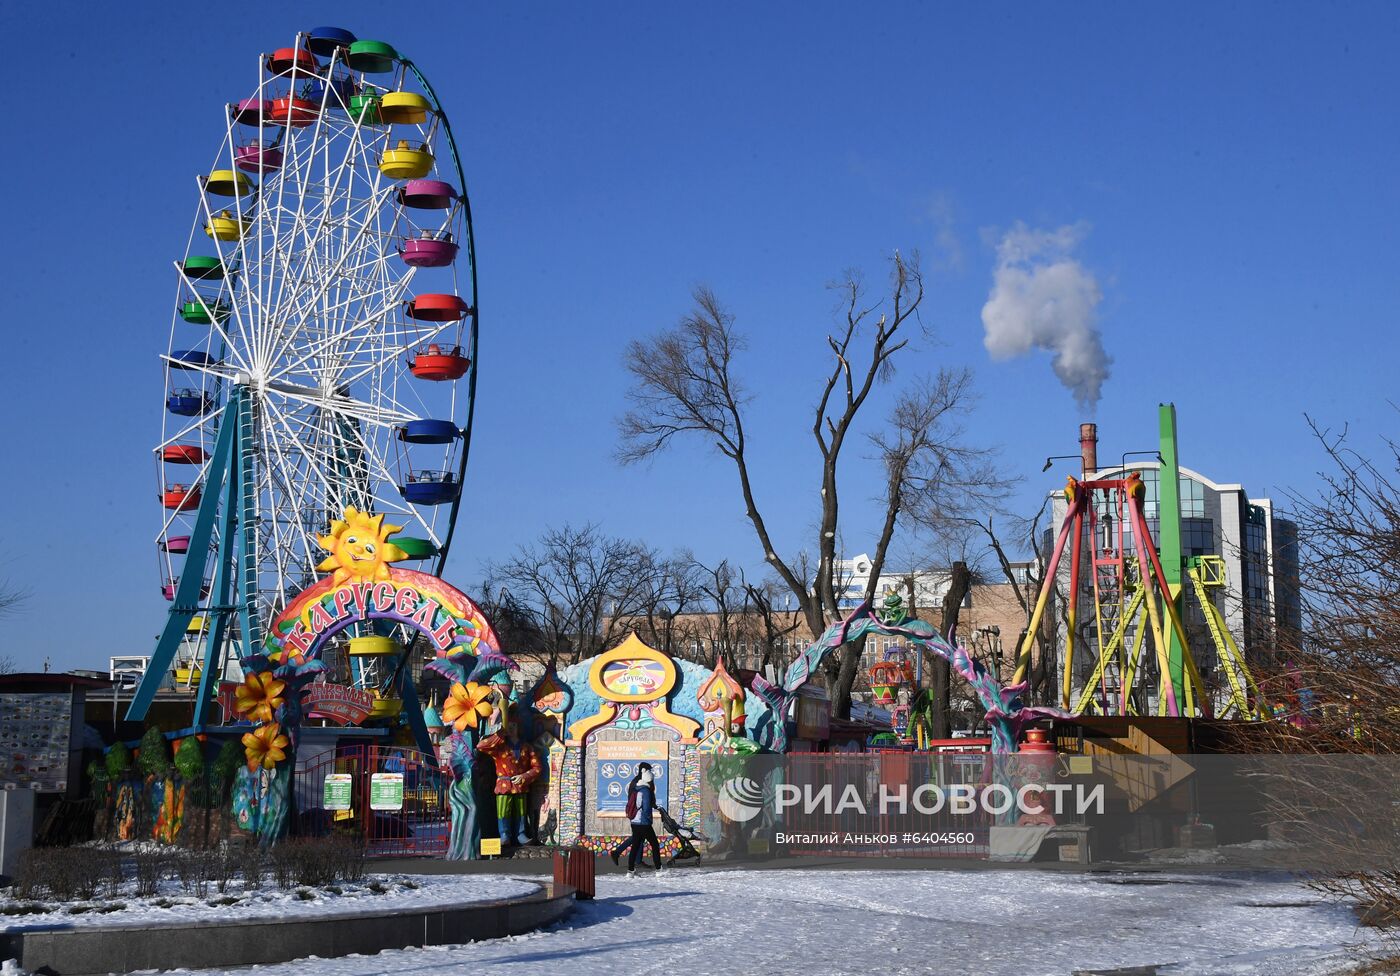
(1089, 447)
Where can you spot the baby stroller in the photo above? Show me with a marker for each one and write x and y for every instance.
(683, 834)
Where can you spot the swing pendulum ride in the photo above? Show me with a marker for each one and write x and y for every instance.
(1126, 607)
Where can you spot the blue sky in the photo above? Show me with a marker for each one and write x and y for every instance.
(1229, 169)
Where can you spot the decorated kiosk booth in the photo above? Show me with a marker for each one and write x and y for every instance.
(634, 704)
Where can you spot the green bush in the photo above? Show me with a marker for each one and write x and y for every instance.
(154, 757)
(226, 764)
(189, 759)
(118, 761)
(96, 774)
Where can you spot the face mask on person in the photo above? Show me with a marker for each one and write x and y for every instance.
(646, 777)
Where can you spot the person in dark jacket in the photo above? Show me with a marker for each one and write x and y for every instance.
(641, 805)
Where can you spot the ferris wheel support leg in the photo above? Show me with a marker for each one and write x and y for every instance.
(232, 515)
(212, 669)
(244, 492)
(187, 591)
(413, 712)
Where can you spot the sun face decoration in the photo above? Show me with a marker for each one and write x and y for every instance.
(359, 548)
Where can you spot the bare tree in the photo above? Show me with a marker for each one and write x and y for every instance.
(517, 625)
(775, 626)
(582, 587)
(667, 600)
(1333, 683)
(686, 384)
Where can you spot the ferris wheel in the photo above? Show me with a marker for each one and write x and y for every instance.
(322, 352)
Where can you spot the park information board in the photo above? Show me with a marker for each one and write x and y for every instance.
(617, 764)
(34, 741)
(386, 791)
(335, 793)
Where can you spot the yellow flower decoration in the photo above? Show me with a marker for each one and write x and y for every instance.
(259, 696)
(265, 746)
(466, 706)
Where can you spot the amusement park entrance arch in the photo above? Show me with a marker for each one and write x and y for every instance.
(444, 616)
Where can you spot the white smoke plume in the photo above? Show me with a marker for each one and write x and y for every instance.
(1042, 298)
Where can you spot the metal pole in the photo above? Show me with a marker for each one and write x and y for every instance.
(1169, 541)
(1047, 586)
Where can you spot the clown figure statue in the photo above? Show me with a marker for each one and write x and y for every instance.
(501, 699)
(517, 766)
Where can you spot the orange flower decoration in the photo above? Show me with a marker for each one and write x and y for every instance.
(265, 746)
(259, 696)
(466, 706)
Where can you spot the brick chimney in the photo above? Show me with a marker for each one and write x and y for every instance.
(1089, 448)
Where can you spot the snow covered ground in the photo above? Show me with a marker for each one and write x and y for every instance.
(173, 904)
(992, 923)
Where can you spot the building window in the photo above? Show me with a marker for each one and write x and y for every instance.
(1193, 498)
(1197, 536)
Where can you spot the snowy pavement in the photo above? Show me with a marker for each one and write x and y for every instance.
(990, 923)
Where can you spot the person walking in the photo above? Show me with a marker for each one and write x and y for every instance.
(641, 805)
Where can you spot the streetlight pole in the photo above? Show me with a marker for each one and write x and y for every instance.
(1060, 457)
(1123, 460)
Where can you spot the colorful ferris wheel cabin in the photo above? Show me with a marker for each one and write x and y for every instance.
(293, 111)
(404, 162)
(415, 548)
(183, 454)
(180, 498)
(286, 60)
(204, 313)
(255, 156)
(168, 590)
(430, 487)
(189, 403)
(435, 363)
(203, 268)
(176, 544)
(228, 183)
(372, 57)
(428, 251)
(427, 194)
(372, 646)
(315, 92)
(364, 108)
(191, 359)
(325, 41)
(226, 227)
(250, 111)
(437, 308)
(429, 432)
(404, 108)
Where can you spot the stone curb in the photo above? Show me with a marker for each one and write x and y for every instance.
(170, 945)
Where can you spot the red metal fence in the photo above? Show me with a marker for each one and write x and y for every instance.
(418, 825)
